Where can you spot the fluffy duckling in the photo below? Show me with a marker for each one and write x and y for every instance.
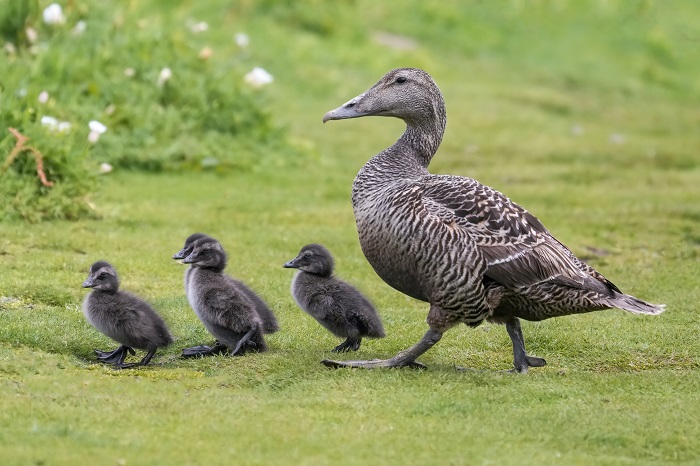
(335, 304)
(224, 309)
(269, 321)
(123, 317)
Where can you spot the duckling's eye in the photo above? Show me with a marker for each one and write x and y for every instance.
(103, 274)
(401, 79)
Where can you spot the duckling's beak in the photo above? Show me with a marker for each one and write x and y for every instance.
(187, 260)
(88, 283)
(345, 111)
(292, 264)
(180, 254)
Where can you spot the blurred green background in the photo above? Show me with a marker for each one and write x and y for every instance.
(584, 112)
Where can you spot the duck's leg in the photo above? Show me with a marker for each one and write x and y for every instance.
(351, 344)
(204, 350)
(245, 339)
(521, 360)
(111, 356)
(405, 358)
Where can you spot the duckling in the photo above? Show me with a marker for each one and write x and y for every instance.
(123, 317)
(224, 309)
(268, 318)
(335, 304)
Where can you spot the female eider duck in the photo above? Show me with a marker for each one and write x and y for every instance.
(463, 247)
(269, 320)
(224, 309)
(122, 317)
(335, 304)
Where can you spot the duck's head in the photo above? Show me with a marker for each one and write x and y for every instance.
(207, 253)
(406, 93)
(189, 245)
(102, 277)
(313, 258)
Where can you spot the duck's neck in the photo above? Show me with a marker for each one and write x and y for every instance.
(411, 154)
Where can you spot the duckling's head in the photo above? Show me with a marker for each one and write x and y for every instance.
(102, 277)
(313, 258)
(207, 253)
(189, 245)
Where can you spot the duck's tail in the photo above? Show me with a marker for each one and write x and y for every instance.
(634, 305)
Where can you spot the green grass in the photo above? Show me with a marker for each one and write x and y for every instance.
(539, 96)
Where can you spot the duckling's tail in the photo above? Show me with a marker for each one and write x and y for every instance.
(634, 305)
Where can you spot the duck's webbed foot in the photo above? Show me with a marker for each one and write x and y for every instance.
(204, 350)
(351, 344)
(406, 358)
(521, 360)
(114, 357)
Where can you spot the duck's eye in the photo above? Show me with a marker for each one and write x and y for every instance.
(103, 274)
(401, 79)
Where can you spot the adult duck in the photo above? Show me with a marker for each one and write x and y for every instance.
(463, 247)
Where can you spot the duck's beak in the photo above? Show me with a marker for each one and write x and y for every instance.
(181, 254)
(88, 283)
(345, 111)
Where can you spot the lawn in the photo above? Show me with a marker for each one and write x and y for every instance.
(586, 113)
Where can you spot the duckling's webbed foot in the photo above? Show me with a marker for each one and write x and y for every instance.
(521, 360)
(114, 357)
(348, 345)
(204, 350)
(406, 358)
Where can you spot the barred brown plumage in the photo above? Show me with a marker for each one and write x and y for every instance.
(465, 248)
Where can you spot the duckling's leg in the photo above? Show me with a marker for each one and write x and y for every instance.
(144, 362)
(351, 344)
(245, 339)
(521, 360)
(405, 358)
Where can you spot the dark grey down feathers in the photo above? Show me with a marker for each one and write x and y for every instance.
(122, 316)
(335, 304)
(225, 310)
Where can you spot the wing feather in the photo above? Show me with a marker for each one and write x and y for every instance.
(519, 250)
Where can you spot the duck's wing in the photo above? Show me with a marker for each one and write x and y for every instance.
(518, 249)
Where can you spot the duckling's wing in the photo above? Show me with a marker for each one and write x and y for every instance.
(518, 249)
(224, 306)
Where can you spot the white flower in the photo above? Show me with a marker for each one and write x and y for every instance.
(105, 168)
(129, 72)
(96, 129)
(50, 122)
(54, 125)
(242, 40)
(199, 27)
(164, 76)
(258, 77)
(43, 97)
(79, 28)
(53, 14)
